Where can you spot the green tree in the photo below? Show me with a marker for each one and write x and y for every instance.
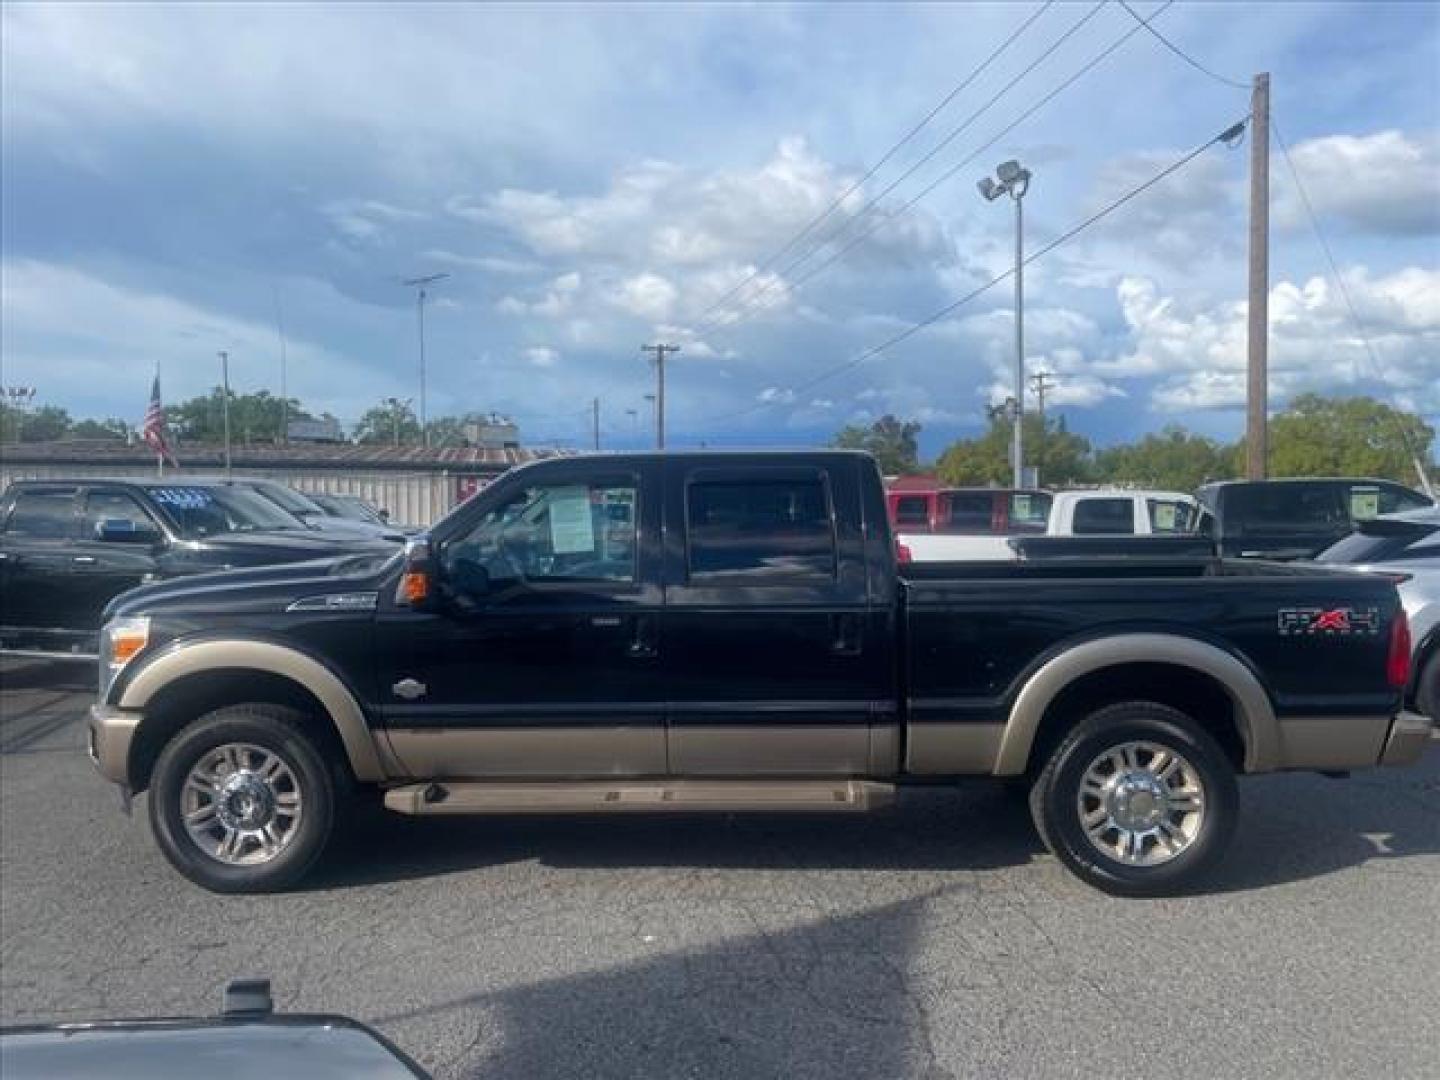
(1061, 456)
(109, 428)
(1175, 459)
(391, 421)
(891, 441)
(45, 424)
(1347, 436)
(253, 417)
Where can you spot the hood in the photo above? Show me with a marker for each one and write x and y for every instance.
(291, 545)
(339, 527)
(262, 588)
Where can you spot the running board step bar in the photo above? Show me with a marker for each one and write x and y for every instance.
(640, 796)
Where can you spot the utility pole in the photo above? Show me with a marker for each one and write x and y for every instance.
(1256, 405)
(421, 284)
(225, 403)
(659, 352)
(284, 383)
(1042, 384)
(595, 418)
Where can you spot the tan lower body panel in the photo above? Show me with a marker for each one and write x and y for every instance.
(1332, 742)
(944, 749)
(641, 796)
(468, 753)
(770, 750)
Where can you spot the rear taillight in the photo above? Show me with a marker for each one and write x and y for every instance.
(1397, 664)
(903, 553)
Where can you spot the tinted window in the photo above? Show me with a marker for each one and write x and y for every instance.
(43, 515)
(1285, 508)
(912, 510)
(1388, 499)
(1029, 511)
(777, 528)
(969, 512)
(101, 506)
(1170, 516)
(1384, 541)
(1112, 516)
(205, 511)
(560, 532)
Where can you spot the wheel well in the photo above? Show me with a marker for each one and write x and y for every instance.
(191, 697)
(1199, 696)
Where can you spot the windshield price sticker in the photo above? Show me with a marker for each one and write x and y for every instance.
(572, 528)
(1165, 516)
(1022, 507)
(183, 498)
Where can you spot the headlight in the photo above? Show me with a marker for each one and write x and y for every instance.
(120, 640)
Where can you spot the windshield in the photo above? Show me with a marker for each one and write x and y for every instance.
(347, 506)
(206, 511)
(1285, 509)
(288, 499)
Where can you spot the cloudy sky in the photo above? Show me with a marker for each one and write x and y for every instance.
(179, 179)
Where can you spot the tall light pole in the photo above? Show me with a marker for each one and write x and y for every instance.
(659, 352)
(225, 402)
(654, 412)
(1014, 180)
(421, 284)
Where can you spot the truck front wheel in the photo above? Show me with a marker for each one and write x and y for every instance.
(1137, 800)
(241, 800)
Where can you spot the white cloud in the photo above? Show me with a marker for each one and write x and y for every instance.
(1198, 349)
(1386, 183)
(542, 356)
(648, 295)
(367, 220)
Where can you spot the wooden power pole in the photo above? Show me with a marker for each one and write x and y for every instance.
(1042, 384)
(595, 421)
(1258, 331)
(659, 352)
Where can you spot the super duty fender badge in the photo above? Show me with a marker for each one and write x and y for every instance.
(1329, 622)
(409, 689)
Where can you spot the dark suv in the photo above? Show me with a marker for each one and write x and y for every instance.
(67, 547)
(1295, 519)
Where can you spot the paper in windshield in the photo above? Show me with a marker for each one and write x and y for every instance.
(572, 529)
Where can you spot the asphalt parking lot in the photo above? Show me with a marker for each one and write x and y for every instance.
(934, 941)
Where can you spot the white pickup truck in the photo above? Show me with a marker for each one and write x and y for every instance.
(1118, 512)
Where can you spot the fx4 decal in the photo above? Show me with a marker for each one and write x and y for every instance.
(1329, 622)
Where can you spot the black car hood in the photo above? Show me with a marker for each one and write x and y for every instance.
(260, 588)
(295, 543)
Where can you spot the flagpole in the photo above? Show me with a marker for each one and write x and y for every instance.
(159, 457)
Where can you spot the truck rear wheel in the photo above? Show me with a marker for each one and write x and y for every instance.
(1137, 800)
(242, 800)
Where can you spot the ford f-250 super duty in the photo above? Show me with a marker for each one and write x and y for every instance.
(732, 632)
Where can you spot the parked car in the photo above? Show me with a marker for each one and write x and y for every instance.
(968, 511)
(247, 1039)
(1295, 518)
(1118, 512)
(313, 515)
(1406, 548)
(67, 547)
(731, 632)
(350, 507)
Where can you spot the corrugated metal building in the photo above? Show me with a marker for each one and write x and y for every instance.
(417, 485)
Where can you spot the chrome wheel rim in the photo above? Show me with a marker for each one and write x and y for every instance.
(1141, 803)
(241, 804)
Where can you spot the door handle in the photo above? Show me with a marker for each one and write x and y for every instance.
(83, 560)
(845, 634)
(642, 636)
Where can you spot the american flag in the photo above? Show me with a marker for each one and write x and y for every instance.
(153, 430)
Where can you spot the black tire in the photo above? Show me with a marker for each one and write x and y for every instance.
(1055, 799)
(1427, 688)
(281, 732)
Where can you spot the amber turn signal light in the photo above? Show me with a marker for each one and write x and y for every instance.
(414, 587)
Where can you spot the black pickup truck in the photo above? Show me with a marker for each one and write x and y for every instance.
(732, 632)
(67, 547)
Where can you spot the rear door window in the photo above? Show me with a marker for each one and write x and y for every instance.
(970, 513)
(774, 529)
(1286, 508)
(1111, 517)
(912, 510)
(43, 514)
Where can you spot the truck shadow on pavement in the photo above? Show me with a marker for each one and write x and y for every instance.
(827, 998)
(1292, 828)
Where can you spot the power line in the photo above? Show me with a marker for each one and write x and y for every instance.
(1344, 292)
(950, 137)
(840, 199)
(1146, 23)
(785, 396)
(1094, 62)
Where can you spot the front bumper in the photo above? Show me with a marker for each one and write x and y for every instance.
(1408, 738)
(108, 735)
